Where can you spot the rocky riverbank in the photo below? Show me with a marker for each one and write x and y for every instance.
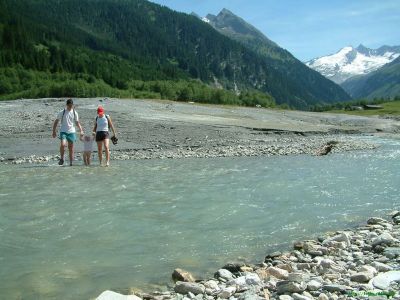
(163, 129)
(283, 146)
(350, 264)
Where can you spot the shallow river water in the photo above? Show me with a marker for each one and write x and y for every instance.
(73, 232)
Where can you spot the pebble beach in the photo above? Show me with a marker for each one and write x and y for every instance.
(163, 129)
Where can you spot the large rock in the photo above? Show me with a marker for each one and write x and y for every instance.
(278, 273)
(273, 255)
(323, 296)
(110, 295)
(285, 297)
(362, 277)
(234, 267)
(369, 269)
(335, 288)
(381, 267)
(224, 274)
(312, 248)
(243, 281)
(182, 275)
(375, 221)
(189, 287)
(227, 292)
(285, 286)
(329, 264)
(313, 285)
(391, 252)
(342, 237)
(383, 280)
(211, 287)
(298, 277)
(384, 238)
(297, 296)
(253, 295)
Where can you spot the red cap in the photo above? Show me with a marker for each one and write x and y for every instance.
(100, 110)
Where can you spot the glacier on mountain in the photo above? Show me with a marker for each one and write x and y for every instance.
(349, 62)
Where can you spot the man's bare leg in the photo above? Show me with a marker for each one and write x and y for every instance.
(63, 145)
(71, 152)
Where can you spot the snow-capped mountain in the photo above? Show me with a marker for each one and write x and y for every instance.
(349, 62)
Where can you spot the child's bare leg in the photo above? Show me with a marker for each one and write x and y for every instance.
(87, 158)
(89, 155)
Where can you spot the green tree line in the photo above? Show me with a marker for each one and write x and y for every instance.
(17, 82)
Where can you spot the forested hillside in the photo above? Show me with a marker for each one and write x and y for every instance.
(92, 47)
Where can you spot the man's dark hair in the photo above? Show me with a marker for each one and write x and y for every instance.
(69, 101)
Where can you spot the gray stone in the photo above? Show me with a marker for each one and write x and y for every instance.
(322, 296)
(211, 287)
(362, 277)
(273, 254)
(312, 248)
(297, 296)
(278, 273)
(227, 292)
(304, 266)
(110, 295)
(225, 274)
(234, 267)
(384, 238)
(298, 277)
(343, 237)
(331, 265)
(381, 267)
(391, 252)
(368, 269)
(186, 287)
(285, 297)
(313, 285)
(375, 221)
(383, 280)
(249, 279)
(250, 295)
(334, 288)
(287, 267)
(290, 287)
(182, 275)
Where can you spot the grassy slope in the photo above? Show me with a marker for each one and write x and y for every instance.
(389, 108)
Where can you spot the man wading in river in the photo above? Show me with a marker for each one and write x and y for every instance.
(68, 118)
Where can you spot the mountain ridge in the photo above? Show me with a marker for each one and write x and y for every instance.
(238, 29)
(382, 83)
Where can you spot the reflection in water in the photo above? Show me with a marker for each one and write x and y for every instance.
(70, 233)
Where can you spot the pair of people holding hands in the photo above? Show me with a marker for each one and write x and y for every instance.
(68, 118)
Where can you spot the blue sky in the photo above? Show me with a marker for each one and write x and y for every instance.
(311, 28)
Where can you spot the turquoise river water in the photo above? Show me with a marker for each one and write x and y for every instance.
(71, 233)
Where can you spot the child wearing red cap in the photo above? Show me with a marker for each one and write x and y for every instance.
(102, 128)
